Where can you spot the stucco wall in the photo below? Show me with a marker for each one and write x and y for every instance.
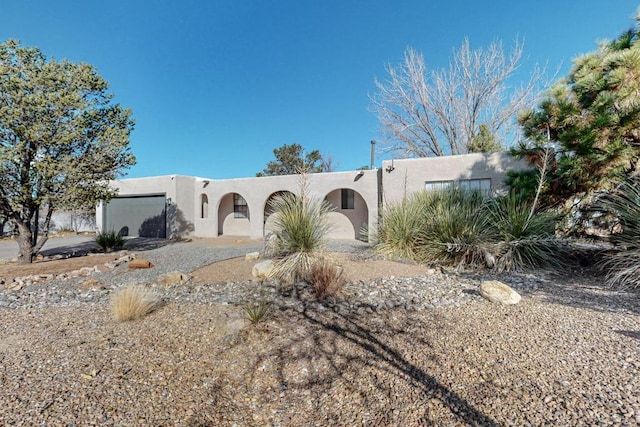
(406, 176)
(371, 188)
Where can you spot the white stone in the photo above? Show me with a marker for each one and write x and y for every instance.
(498, 292)
(262, 269)
(252, 255)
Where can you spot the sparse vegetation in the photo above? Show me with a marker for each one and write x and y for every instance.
(110, 241)
(134, 302)
(257, 310)
(326, 278)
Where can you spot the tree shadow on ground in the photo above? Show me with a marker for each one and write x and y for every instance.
(589, 291)
(84, 248)
(335, 353)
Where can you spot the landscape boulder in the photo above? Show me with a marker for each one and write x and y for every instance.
(173, 278)
(271, 246)
(252, 255)
(499, 293)
(262, 269)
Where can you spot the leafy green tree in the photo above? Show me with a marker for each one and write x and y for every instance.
(61, 140)
(591, 123)
(484, 141)
(291, 159)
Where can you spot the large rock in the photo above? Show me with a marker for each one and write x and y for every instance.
(252, 255)
(498, 292)
(262, 269)
(271, 246)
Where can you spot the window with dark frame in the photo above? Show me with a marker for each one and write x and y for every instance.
(483, 184)
(347, 198)
(437, 185)
(240, 207)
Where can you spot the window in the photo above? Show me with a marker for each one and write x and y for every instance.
(437, 185)
(482, 184)
(240, 208)
(347, 198)
(204, 206)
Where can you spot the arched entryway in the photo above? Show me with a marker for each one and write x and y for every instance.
(233, 216)
(269, 225)
(351, 215)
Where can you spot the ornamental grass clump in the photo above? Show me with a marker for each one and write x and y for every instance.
(301, 225)
(134, 302)
(326, 278)
(623, 265)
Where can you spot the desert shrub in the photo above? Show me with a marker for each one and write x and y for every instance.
(467, 228)
(525, 238)
(301, 227)
(622, 266)
(400, 227)
(257, 310)
(326, 278)
(109, 241)
(134, 302)
(457, 228)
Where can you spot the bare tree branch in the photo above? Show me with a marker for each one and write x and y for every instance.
(434, 113)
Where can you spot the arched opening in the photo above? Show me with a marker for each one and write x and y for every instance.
(204, 206)
(269, 225)
(233, 216)
(351, 215)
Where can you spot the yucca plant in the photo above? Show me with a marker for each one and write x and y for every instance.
(301, 224)
(109, 241)
(257, 310)
(456, 228)
(623, 266)
(526, 237)
(400, 227)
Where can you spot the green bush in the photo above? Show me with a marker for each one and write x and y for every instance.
(109, 241)
(301, 226)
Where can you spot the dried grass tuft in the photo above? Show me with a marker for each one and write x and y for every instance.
(326, 278)
(134, 302)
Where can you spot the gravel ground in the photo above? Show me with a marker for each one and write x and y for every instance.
(411, 351)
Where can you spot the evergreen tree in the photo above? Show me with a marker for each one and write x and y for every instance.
(291, 159)
(61, 140)
(590, 122)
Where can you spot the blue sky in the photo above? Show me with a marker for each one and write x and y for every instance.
(216, 85)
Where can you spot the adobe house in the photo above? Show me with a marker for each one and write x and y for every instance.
(178, 206)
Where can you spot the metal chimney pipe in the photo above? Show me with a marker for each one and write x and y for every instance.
(373, 152)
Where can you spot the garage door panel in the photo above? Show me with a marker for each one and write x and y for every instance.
(142, 216)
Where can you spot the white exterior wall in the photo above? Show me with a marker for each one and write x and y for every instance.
(371, 187)
(407, 176)
(256, 192)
